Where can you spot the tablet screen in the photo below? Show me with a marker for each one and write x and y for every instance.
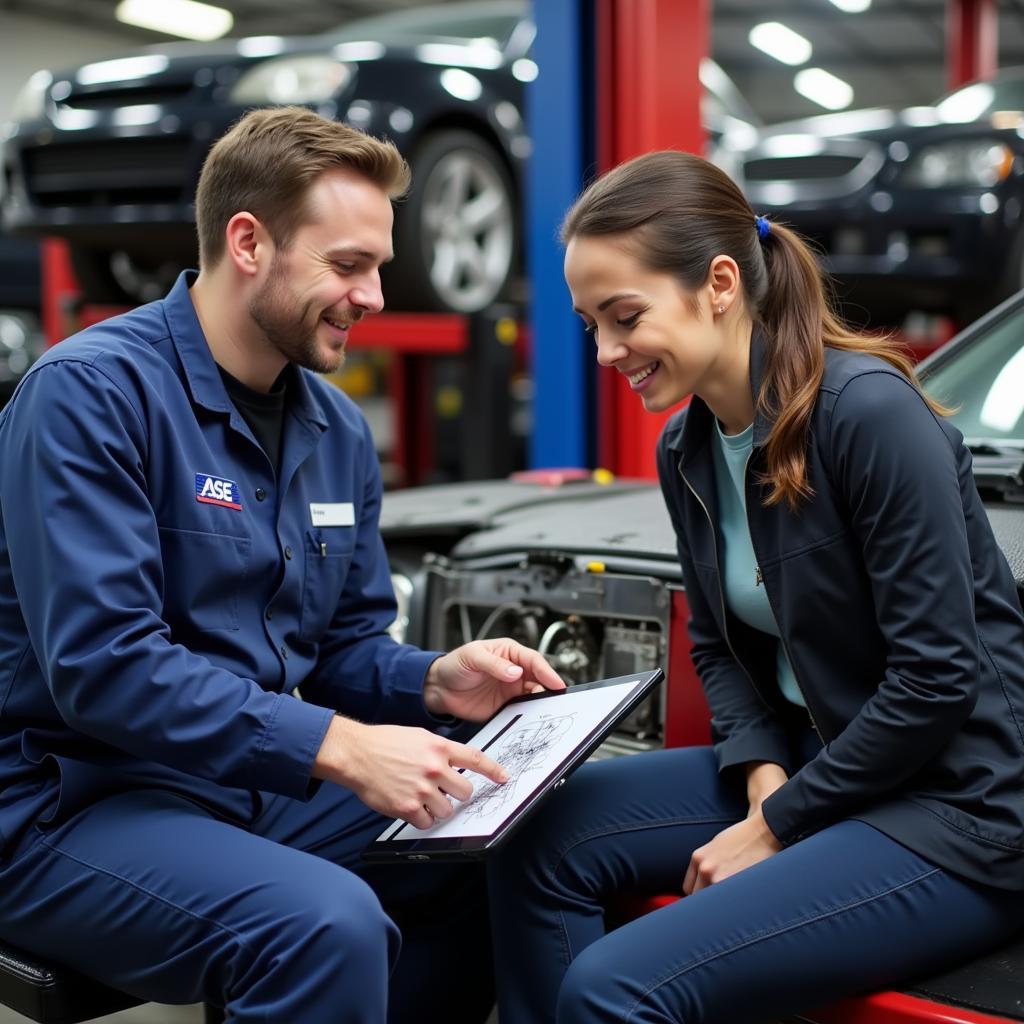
(534, 739)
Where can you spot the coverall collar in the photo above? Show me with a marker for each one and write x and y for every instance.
(201, 373)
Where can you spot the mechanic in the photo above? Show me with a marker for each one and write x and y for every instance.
(859, 819)
(189, 535)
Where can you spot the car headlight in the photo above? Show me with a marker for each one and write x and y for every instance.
(311, 78)
(977, 163)
(30, 102)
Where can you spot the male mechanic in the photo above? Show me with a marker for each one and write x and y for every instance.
(189, 534)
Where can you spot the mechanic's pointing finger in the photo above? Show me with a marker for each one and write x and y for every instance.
(461, 756)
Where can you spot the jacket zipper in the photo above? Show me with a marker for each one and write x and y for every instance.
(767, 594)
(721, 591)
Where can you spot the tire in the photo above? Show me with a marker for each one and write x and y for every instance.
(456, 233)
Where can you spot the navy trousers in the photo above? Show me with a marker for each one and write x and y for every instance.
(844, 911)
(275, 919)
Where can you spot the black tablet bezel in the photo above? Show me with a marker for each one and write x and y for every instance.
(458, 848)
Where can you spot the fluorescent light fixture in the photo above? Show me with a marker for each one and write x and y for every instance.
(823, 88)
(852, 6)
(185, 18)
(780, 42)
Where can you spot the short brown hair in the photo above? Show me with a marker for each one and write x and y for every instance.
(266, 164)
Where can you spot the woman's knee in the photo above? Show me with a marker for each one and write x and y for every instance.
(594, 991)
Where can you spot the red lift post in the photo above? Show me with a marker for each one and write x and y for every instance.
(972, 41)
(648, 97)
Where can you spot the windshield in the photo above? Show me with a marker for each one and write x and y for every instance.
(461, 22)
(986, 381)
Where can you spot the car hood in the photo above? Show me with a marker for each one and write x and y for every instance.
(458, 508)
(877, 124)
(632, 524)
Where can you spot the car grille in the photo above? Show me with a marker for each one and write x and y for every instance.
(780, 179)
(112, 99)
(800, 168)
(144, 170)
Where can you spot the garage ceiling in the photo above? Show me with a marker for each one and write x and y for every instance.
(892, 55)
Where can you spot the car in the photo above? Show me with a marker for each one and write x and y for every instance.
(918, 209)
(107, 155)
(585, 570)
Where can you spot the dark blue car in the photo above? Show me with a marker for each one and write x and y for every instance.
(919, 209)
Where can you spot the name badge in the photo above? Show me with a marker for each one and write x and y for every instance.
(341, 513)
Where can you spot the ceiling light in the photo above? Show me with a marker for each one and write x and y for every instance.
(780, 42)
(185, 18)
(852, 6)
(822, 88)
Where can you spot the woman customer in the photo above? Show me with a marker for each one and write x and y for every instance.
(859, 819)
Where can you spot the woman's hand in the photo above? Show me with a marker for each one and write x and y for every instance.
(737, 847)
(763, 778)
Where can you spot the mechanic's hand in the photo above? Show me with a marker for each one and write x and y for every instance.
(474, 680)
(733, 849)
(400, 771)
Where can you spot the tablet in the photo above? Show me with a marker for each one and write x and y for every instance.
(539, 739)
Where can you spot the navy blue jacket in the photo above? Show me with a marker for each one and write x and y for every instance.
(899, 614)
(163, 592)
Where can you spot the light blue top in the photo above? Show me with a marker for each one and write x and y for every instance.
(741, 580)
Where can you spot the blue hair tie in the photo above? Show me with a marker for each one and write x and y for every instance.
(763, 227)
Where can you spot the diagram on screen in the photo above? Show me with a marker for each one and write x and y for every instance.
(520, 750)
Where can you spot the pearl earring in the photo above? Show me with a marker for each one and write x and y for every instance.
(721, 309)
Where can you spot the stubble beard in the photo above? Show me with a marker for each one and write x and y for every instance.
(290, 332)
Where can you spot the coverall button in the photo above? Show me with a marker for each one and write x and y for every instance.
(260, 494)
(284, 651)
(287, 552)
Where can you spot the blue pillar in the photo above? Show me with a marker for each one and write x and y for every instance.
(559, 115)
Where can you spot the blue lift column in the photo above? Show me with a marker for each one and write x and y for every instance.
(559, 110)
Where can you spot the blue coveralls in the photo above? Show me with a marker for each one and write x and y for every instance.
(163, 592)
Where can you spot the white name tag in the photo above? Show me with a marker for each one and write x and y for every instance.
(338, 514)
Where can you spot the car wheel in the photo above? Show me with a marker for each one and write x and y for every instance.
(455, 235)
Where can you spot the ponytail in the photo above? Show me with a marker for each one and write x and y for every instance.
(680, 212)
(799, 322)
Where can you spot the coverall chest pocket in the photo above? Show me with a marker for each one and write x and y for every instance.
(328, 557)
(204, 574)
